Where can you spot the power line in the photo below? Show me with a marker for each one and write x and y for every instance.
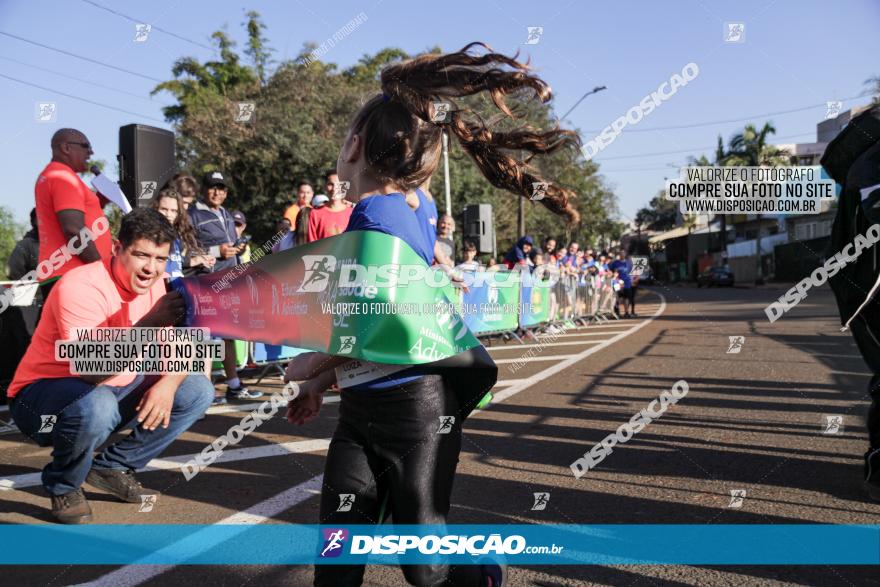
(80, 99)
(714, 122)
(152, 26)
(81, 57)
(79, 79)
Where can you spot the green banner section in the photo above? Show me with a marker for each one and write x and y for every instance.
(364, 294)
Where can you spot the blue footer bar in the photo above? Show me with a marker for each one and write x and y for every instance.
(284, 544)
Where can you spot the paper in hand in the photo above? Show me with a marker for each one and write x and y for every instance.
(110, 190)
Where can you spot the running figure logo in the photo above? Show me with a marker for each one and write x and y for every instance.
(832, 109)
(318, 270)
(141, 32)
(46, 112)
(346, 500)
(833, 424)
(736, 498)
(541, 500)
(245, 111)
(346, 344)
(539, 190)
(333, 540)
(639, 266)
(47, 423)
(734, 32)
(147, 503)
(148, 188)
(534, 33)
(446, 424)
(441, 109)
(736, 344)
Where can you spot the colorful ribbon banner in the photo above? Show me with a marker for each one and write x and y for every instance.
(517, 544)
(364, 295)
(333, 296)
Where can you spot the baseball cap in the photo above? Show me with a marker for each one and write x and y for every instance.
(319, 200)
(213, 178)
(239, 217)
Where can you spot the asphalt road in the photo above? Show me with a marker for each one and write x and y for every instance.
(753, 420)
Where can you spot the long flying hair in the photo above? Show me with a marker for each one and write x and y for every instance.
(402, 143)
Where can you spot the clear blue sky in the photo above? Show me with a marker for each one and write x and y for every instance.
(796, 53)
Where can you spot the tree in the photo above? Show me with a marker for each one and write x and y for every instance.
(751, 148)
(303, 109)
(660, 214)
(10, 233)
(257, 47)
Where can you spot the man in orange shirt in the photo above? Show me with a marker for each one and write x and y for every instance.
(304, 194)
(75, 414)
(65, 206)
(332, 218)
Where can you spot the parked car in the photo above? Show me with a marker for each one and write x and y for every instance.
(715, 276)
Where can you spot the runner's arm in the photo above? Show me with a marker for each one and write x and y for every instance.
(310, 365)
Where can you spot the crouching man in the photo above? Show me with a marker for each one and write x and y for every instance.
(75, 414)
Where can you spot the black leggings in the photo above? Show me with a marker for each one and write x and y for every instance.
(387, 444)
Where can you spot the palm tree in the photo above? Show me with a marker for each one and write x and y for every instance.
(750, 148)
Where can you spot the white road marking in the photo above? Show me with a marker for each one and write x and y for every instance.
(535, 358)
(170, 463)
(529, 381)
(541, 344)
(203, 540)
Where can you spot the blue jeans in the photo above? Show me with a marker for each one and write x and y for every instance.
(87, 414)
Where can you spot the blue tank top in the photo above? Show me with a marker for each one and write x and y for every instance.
(427, 215)
(390, 214)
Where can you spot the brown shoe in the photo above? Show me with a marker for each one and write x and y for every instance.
(120, 482)
(71, 508)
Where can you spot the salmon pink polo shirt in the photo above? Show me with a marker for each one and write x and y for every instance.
(85, 297)
(59, 188)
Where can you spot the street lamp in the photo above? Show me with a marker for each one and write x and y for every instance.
(595, 90)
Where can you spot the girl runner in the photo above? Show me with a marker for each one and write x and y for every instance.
(385, 444)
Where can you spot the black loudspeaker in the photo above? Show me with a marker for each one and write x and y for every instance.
(478, 227)
(146, 161)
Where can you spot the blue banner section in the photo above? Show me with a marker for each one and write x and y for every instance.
(284, 544)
